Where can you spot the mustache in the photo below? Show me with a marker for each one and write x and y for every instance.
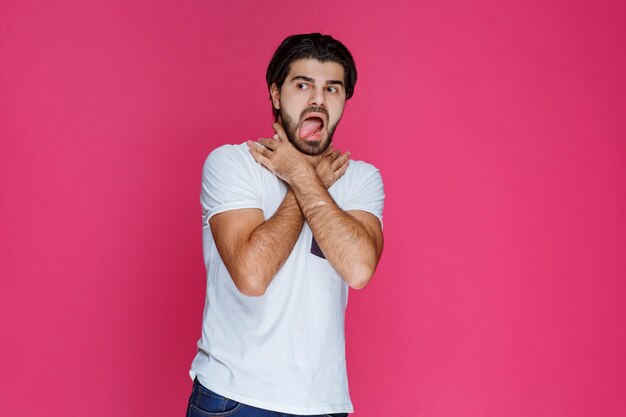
(308, 110)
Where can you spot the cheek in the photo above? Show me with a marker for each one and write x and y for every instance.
(336, 115)
(291, 105)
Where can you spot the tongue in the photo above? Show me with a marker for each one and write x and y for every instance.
(310, 126)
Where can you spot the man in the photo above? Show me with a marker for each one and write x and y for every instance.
(289, 224)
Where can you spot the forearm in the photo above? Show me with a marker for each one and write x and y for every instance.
(344, 241)
(269, 245)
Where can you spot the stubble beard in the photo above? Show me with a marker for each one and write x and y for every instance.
(312, 148)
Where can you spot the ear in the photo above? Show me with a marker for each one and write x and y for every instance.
(275, 94)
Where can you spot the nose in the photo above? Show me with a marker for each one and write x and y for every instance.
(318, 97)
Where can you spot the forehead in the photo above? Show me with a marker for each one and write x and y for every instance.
(319, 71)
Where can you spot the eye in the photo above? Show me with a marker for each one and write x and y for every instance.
(301, 86)
(332, 89)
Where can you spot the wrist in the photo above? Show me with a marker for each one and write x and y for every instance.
(301, 176)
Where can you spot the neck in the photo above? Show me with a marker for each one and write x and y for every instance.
(315, 159)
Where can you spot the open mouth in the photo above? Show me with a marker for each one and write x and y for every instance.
(311, 128)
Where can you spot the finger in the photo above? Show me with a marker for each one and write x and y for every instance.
(342, 170)
(276, 138)
(335, 154)
(330, 153)
(253, 146)
(255, 150)
(268, 143)
(330, 157)
(339, 162)
(278, 128)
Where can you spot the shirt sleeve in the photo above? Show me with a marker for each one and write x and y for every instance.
(366, 191)
(228, 183)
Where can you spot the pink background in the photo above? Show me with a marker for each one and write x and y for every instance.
(499, 130)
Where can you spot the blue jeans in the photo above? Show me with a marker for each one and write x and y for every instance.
(205, 403)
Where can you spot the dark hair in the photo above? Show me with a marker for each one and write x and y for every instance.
(310, 46)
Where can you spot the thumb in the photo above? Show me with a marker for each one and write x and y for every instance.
(280, 132)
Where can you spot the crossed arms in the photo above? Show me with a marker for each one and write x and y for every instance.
(254, 249)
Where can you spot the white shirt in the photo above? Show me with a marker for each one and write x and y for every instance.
(283, 351)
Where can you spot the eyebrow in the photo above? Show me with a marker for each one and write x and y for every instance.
(311, 80)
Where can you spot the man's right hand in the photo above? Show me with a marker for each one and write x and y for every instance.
(332, 166)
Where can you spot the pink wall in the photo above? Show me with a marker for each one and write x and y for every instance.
(499, 130)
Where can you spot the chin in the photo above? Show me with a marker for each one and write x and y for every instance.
(313, 148)
(307, 147)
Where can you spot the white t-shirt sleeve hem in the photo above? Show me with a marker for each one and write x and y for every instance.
(250, 204)
(229, 182)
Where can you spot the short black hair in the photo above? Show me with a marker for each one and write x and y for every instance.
(310, 46)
